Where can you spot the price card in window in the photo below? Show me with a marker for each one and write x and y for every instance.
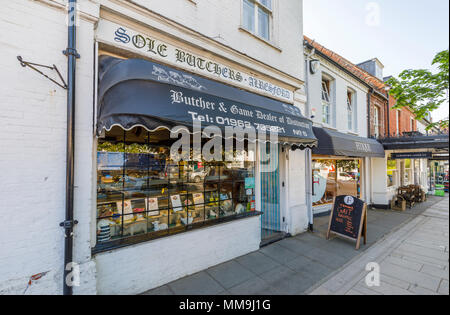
(249, 183)
(198, 199)
(152, 207)
(127, 208)
(176, 203)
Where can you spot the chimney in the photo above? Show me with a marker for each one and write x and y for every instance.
(374, 67)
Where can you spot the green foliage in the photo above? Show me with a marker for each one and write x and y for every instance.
(120, 147)
(423, 91)
(348, 165)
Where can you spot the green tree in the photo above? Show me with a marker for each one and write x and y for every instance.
(422, 90)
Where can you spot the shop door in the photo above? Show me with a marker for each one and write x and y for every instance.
(271, 220)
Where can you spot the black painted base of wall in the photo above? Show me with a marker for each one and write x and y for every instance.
(322, 214)
(377, 206)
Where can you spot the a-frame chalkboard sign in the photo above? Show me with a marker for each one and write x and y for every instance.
(348, 219)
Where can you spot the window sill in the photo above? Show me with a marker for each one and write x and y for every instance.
(271, 44)
(327, 126)
(133, 240)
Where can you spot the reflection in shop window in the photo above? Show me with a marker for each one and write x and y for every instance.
(141, 191)
(408, 172)
(332, 178)
(391, 173)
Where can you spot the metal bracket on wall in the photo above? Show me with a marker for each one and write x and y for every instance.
(71, 51)
(33, 67)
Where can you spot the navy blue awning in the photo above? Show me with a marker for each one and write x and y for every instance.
(416, 141)
(137, 92)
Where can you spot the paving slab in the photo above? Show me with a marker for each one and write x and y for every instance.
(299, 263)
(327, 258)
(435, 272)
(416, 290)
(254, 286)
(199, 284)
(443, 288)
(404, 263)
(257, 262)
(164, 290)
(230, 274)
(279, 253)
(388, 289)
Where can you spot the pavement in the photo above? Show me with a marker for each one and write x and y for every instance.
(414, 260)
(309, 264)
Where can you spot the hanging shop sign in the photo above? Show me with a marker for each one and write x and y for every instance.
(349, 219)
(411, 155)
(154, 48)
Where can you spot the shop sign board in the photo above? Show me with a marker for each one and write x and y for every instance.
(348, 219)
(152, 47)
(411, 155)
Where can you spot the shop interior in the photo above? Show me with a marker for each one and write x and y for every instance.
(142, 191)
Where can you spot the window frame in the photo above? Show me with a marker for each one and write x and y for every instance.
(257, 6)
(394, 173)
(150, 182)
(350, 109)
(326, 100)
(376, 121)
(397, 121)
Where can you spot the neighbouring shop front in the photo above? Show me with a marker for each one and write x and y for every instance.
(340, 167)
(176, 212)
(411, 160)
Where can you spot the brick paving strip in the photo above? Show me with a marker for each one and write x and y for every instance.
(295, 265)
(413, 260)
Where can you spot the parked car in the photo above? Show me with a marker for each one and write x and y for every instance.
(198, 175)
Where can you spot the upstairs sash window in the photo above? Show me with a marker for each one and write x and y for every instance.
(326, 102)
(257, 16)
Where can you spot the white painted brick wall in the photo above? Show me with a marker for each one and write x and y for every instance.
(33, 146)
(222, 19)
(298, 212)
(139, 268)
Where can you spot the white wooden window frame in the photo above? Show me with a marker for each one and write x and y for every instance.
(350, 110)
(258, 5)
(376, 121)
(326, 101)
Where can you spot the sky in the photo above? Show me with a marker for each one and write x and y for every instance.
(402, 34)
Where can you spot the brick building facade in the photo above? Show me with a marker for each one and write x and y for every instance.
(378, 115)
(400, 120)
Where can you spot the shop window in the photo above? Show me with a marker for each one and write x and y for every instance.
(257, 16)
(407, 172)
(333, 178)
(326, 102)
(391, 173)
(350, 107)
(143, 194)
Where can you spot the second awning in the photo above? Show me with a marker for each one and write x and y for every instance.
(340, 144)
